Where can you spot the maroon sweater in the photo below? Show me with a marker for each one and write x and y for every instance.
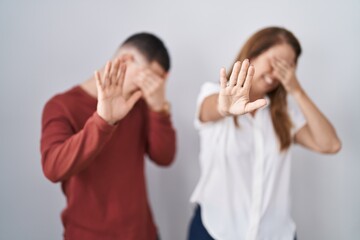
(101, 167)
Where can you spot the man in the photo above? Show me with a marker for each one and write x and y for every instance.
(95, 136)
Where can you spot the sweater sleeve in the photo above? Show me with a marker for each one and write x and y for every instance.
(161, 138)
(64, 152)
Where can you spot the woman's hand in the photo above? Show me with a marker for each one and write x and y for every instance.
(234, 93)
(112, 105)
(318, 134)
(285, 73)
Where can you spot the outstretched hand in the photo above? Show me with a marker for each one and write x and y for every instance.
(234, 93)
(112, 105)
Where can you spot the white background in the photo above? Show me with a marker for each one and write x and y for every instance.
(47, 47)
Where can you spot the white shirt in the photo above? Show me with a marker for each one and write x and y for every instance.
(243, 190)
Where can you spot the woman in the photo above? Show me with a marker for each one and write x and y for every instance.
(247, 129)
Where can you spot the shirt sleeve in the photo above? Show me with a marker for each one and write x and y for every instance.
(297, 117)
(207, 89)
(64, 152)
(161, 138)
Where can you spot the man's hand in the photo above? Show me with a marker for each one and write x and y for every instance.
(152, 87)
(234, 94)
(112, 105)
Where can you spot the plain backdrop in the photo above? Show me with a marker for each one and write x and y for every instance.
(47, 47)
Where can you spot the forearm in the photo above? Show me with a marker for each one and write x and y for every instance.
(161, 139)
(64, 156)
(321, 130)
(209, 109)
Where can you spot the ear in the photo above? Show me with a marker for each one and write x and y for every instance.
(166, 75)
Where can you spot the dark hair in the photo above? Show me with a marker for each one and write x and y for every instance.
(151, 47)
(256, 45)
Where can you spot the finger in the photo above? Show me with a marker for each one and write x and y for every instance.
(278, 75)
(282, 64)
(287, 66)
(243, 71)
(156, 77)
(251, 106)
(223, 79)
(144, 86)
(121, 76)
(98, 81)
(153, 79)
(105, 82)
(235, 73)
(119, 72)
(113, 72)
(249, 76)
(280, 72)
(133, 99)
(273, 63)
(156, 84)
(147, 86)
(139, 80)
(279, 69)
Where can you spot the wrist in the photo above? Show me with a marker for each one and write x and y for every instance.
(163, 108)
(109, 122)
(222, 112)
(298, 92)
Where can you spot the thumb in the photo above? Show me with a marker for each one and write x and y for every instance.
(98, 80)
(99, 86)
(133, 99)
(251, 106)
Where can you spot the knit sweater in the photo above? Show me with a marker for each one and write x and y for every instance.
(101, 166)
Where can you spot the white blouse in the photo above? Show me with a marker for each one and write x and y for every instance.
(243, 190)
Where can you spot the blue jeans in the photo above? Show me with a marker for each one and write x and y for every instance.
(197, 230)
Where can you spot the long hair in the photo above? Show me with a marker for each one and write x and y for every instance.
(256, 45)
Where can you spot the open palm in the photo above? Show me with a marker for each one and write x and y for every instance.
(234, 93)
(112, 105)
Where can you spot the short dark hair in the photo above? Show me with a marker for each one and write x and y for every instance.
(151, 47)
